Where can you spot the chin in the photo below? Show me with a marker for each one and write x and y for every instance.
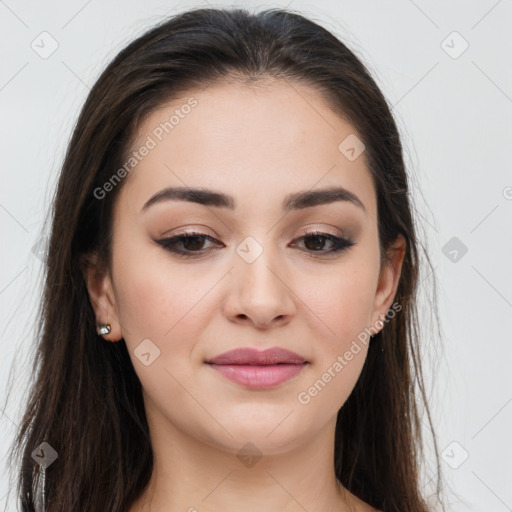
(273, 436)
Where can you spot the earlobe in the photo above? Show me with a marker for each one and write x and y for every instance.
(388, 279)
(101, 295)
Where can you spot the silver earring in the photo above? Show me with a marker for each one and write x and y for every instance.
(103, 329)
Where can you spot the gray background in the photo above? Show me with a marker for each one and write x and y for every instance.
(454, 110)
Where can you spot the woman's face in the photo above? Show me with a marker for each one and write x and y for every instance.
(250, 278)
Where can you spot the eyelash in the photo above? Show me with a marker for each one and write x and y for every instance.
(340, 244)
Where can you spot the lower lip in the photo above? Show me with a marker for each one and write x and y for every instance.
(259, 377)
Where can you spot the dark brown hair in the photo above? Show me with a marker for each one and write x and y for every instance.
(86, 399)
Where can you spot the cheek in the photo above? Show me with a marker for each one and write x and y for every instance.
(153, 306)
(339, 358)
(344, 303)
(342, 299)
(153, 302)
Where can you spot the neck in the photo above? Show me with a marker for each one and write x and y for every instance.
(195, 476)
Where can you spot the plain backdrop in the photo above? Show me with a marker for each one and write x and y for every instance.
(445, 68)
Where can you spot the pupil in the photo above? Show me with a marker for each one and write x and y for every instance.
(318, 238)
(195, 238)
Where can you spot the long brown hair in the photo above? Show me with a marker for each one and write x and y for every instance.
(86, 400)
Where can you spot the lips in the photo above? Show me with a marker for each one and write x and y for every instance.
(248, 356)
(258, 369)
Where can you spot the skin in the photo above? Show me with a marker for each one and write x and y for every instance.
(257, 144)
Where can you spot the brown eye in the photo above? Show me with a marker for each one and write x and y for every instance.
(315, 242)
(190, 244)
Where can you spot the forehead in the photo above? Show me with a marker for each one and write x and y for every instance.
(248, 141)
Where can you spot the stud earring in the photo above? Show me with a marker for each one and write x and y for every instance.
(103, 329)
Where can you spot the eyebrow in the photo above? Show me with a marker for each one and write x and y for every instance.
(295, 201)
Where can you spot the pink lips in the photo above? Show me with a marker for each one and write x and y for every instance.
(256, 369)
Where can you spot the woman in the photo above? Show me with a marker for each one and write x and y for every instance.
(229, 316)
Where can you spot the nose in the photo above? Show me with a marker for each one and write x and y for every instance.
(260, 292)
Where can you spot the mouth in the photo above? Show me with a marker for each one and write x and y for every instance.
(259, 377)
(250, 356)
(256, 369)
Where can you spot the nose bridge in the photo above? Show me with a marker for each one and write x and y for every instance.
(260, 291)
(255, 259)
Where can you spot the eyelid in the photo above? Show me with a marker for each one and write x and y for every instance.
(322, 231)
(307, 231)
(193, 230)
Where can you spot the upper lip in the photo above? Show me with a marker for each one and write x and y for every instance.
(275, 355)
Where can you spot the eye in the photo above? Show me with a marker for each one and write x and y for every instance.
(318, 239)
(192, 244)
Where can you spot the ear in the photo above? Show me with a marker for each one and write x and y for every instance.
(101, 295)
(389, 278)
